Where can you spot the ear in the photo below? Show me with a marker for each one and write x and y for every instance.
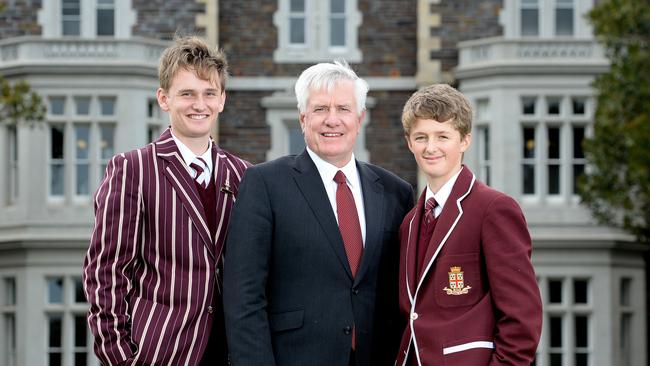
(362, 116)
(162, 98)
(223, 101)
(465, 142)
(408, 143)
(302, 122)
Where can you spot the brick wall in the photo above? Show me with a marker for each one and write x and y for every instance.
(18, 18)
(386, 38)
(385, 137)
(242, 126)
(464, 20)
(160, 19)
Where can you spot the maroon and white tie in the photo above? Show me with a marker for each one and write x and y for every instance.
(201, 172)
(429, 208)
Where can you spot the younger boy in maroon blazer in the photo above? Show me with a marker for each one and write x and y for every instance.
(467, 285)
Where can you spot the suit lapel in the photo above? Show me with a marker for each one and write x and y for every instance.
(175, 170)
(373, 193)
(451, 214)
(311, 186)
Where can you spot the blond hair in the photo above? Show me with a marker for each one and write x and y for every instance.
(439, 102)
(194, 54)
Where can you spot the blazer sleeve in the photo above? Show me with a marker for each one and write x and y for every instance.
(109, 260)
(246, 269)
(515, 293)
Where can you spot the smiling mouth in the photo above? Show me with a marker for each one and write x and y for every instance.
(198, 116)
(331, 134)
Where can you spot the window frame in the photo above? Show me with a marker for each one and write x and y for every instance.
(566, 122)
(317, 46)
(70, 120)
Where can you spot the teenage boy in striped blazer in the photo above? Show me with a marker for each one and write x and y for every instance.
(152, 271)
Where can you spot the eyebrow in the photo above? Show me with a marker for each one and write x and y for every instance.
(215, 90)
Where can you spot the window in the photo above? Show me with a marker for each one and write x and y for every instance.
(12, 177)
(313, 30)
(297, 22)
(579, 161)
(70, 18)
(529, 17)
(68, 337)
(296, 139)
(528, 151)
(626, 303)
(86, 18)
(337, 23)
(567, 321)
(57, 159)
(564, 18)
(528, 105)
(8, 321)
(154, 120)
(81, 143)
(553, 131)
(553, 160)
(105, 17)
(484, 153)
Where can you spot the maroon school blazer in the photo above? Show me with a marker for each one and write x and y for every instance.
(476, 301)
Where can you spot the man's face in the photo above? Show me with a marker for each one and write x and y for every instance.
(438, 149)
(331, 124)
(193, 105)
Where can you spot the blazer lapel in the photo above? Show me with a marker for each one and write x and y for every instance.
(311, 186)
(175, 170)
(222, 177)
(373, 193)
(411, 245)
(451, 214)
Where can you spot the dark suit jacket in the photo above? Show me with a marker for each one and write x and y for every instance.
(492, 313)
(289, 295)
(149, 274)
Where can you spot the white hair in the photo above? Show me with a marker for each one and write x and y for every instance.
(324, 76)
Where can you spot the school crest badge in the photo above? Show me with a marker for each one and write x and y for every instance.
(456, 282)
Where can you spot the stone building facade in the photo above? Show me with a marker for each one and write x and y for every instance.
(94, 62)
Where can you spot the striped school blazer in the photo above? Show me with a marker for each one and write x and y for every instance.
(151, 270)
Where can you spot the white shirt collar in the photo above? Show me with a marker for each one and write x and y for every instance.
(443, 193)
(327, 170)
(189, 156)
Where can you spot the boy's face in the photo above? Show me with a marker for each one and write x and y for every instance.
(193, 105)
(438, 149)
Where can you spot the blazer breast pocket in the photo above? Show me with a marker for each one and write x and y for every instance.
(287, 320)
(457, 280)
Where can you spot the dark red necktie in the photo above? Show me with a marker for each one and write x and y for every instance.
(350, 229)
(429, 208)
(348, 222)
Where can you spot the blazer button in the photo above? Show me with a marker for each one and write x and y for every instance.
(414, 316)
(347, 330)
(355, 291)
(210, 309)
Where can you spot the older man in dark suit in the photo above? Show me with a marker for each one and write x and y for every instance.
(311, 257)
(152, 270)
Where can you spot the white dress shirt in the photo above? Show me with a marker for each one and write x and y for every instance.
(188, 156)
(443, 193)
(327, 172)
